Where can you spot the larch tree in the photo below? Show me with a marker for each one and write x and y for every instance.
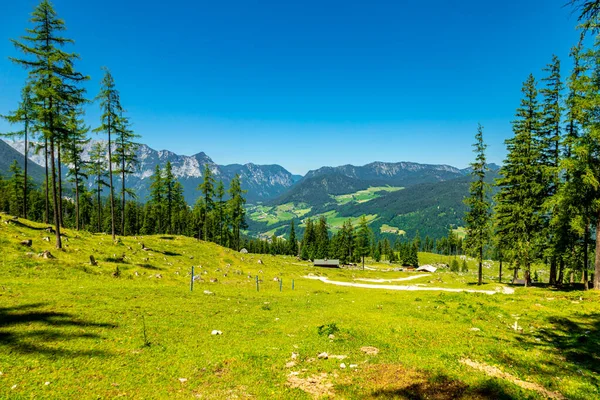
(73, 149)
(207, 188)
(54, 84)
(110, 105)
(125, 157)
(237, 212)
(96, 167)
(293, 242)
(478, 216)
(363, 239)
(25, 114)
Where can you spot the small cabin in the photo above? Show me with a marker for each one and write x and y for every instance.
(327, 263)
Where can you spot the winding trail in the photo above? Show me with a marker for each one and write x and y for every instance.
(410, 278)
(503, 290)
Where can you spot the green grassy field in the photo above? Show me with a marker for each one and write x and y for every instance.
(273, 215)
(363, 196)
(72, 330)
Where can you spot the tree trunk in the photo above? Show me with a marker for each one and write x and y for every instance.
(552, 280)
(60, 204)
(25, 171)
(500, 272)
(47, 194)
(112, 192)
(54, 196)
(561, 272)
(480, 271)
(586, 255)
(597, 261)
(123, 199)
(99, 206)
(76, 198)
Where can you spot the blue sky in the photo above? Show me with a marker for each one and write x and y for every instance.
(309, 83)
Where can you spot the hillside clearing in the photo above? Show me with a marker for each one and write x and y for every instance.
(130, 326)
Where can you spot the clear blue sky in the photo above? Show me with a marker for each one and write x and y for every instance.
(309, 83)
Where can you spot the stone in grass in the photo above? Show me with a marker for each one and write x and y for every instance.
(353, 365)
(183, 380)
(343, 366)
(290, 364)
(216, 332)
(93, 261)
(27, 243)
(294, 356)
(214, 280)
(331, 336)
(475, 329)
(323, 355)
(46, 254)
(208, 292)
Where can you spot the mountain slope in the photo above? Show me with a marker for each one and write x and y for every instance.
(8, 155)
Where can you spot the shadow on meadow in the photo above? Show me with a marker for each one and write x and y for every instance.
(576, 340)
(28, 329)
(392, 381)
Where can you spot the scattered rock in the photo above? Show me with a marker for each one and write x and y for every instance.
(259, 261)
(475, 329)
(27, 243)
(197, 278)
(159, 276)
(323, 355)
(275, 279)
(370, 350)
(93, 261)
(216, 332)
(214, 280)
(290, 364)
(183, 380)
(46, 383)
(343, 366)
(294, 356)
(353, 365)
(136, 273)
(337, 357)
(208, 292)
(331, 336)
(46, 239)
(46, 254)
(50, 229)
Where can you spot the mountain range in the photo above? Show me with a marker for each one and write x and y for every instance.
(263, 182)
(398, 198)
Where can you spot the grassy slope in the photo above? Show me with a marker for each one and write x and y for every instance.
(80, 329)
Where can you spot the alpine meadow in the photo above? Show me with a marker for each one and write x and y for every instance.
(466, 267)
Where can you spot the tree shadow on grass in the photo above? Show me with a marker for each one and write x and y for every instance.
(30, 329)
(442, 387)
(574, 339)
(150, 266)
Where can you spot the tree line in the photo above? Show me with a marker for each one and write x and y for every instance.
(547, 208)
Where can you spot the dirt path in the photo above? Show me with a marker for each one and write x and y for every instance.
(504, 290)
(410, 278)
(497, 373)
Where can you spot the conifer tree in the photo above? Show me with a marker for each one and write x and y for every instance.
(25, 114)
(110, 105)
(157, 198)
(220, 211)
(54, 84)
(125, 157)
(363, 239)
(519, 199)
(321, 245)
(477, 218)
(237, 213)
(73, 148)
(96, 167)
(293, 242)
(207, 188)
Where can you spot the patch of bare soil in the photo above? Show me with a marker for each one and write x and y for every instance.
(317, 386)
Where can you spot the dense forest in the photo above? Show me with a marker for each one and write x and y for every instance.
(545, 206)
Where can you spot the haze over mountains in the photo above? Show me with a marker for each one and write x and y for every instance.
(402, 196)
